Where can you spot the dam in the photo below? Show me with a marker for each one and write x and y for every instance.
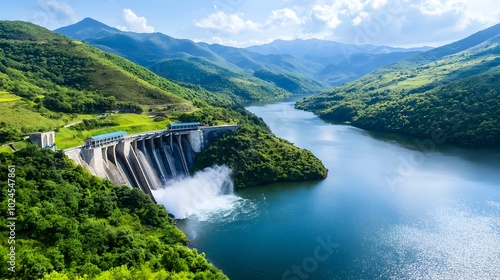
(147, 160)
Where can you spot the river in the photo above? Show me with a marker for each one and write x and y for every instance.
(391, 208)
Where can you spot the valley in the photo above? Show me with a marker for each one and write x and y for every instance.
(294, 159)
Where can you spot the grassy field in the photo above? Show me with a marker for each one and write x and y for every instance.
(5, 149)
(408, 79)
(34, 121)
(30, 120)
(17, 145)
(7, 97)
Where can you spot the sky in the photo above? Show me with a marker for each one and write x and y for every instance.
(241, 23)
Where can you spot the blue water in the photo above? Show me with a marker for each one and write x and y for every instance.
(391, 208)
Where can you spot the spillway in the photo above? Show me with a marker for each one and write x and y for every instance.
(148, 161)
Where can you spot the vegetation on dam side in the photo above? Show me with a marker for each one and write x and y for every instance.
(258, 158)
(71, 224)
(255, 155)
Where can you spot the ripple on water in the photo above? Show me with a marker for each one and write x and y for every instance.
(454, 243)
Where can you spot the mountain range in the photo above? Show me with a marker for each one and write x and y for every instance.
(297, 67)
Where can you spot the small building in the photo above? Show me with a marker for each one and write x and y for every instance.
(184, 126)
(44, 140)
(104, 139)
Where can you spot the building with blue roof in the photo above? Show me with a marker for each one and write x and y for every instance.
(184, 126)
(104, 139)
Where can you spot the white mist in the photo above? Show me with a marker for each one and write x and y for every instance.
(206, 194)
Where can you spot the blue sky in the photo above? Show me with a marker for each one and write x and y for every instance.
(248, 22)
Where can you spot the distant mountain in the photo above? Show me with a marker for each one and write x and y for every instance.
(449, 93)
(317, 72)
(338, 63)
(323, 48)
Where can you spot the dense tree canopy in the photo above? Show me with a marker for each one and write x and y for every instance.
(257, 158)
(70, 223)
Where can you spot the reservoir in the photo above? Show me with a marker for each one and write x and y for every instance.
(391, 208)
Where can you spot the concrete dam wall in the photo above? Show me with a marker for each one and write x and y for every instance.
(148, 160)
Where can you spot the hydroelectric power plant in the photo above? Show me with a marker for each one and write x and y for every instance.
(147, 160)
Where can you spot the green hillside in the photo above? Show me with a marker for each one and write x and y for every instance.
(450, 91)
(221, 80)
(48, 80)
(71, 224)
(258, 159)
(58, 64)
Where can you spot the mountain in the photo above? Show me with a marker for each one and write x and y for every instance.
(91, 29)
(448, 94)
(160, 53)
(323, 48)
(56, 76)
(338, 63)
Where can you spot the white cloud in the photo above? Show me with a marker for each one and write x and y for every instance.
(326, 15)
(135, 23)
(284, 16)
(389, 22)
(54, 13)
(440, 7)
(223, 23)
(233, 24)
(377, 4)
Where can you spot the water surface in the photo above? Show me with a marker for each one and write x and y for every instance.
(391, 208)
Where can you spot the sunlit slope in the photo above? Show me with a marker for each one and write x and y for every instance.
(450, 91)
(218, 79)
(45, 61)
(48, 80)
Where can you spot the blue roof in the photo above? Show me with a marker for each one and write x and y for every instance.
(108, 135)
(186, 123)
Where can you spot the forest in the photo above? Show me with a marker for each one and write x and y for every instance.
(257, 158)
(72, 225)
